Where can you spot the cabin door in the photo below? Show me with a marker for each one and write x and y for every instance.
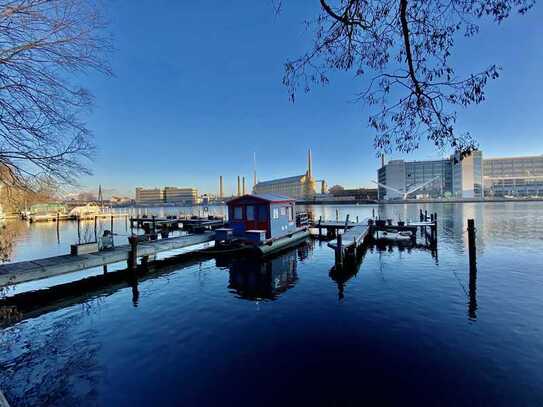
(257, 217)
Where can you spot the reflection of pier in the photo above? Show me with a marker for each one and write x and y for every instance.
(255, 279)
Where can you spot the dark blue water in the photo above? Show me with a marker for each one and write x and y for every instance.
(407, 327)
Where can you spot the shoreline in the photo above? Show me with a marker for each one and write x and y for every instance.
(415, 201)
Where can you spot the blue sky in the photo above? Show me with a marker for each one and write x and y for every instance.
(197, 89)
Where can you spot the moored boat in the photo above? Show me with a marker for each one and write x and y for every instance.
(263, 223)
(402, 236)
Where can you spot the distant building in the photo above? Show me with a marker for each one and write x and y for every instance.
(181, 195)
(149, 195)
(461, 178)
(513, 176)
(357, 194)
(297, 187)
(468, 175)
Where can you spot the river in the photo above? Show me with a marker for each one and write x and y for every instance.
(406, 327)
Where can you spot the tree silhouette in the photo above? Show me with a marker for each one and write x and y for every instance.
(44, 44)
(403, 49)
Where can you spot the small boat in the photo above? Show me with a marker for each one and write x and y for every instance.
(47, 212)
(403, 236)
(88, 211)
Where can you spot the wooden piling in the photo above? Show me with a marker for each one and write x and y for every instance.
(58, 227)
(320, 228)
(339, 251)
(95, 230)
(133, 256)
(78, 229)
(471, 243)
(421, 215)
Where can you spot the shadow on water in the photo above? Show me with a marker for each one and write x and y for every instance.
(255, 279)
(251, 278)
(31, 304)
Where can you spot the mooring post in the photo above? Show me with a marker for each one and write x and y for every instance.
(425, 215)
(337, 214)
(373, 213)
(471, 243)
(154, 224)
(125, 223)
(339, 250)
(95, 231)
(78, 229)
(133, 255)
(346, 221)
(58, 228)
(320, 228)
(105, 268)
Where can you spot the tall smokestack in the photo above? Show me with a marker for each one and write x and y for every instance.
(309, 164)
(254, 170)
(221, 188)
(239, 187)
(243, 186)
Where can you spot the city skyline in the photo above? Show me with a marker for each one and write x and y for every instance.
(210, 124)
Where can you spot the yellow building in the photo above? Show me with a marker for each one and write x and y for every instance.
(300, 187)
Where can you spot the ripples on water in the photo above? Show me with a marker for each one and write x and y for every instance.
(406, 327)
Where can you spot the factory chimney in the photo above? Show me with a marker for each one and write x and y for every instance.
(221, 188)
(254, 170)
(309, 164)
(239, 187)
(243, 186)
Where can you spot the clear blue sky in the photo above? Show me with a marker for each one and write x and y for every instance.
(197, 89)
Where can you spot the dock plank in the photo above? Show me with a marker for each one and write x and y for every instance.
(25, 271)
(353, 236)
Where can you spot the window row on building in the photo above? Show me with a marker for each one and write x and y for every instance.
(167, 195)
(468, 177)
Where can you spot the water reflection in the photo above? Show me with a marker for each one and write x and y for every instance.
(254, 279)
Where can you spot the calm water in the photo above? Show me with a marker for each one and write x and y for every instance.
(406, 327)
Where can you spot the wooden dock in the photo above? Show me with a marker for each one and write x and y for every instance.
(348, 243)
(25, 271)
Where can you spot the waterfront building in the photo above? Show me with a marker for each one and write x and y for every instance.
(301, 187)
(513, 176)
(149, 195)
(461, 178)
(181, 195)
(356, 194)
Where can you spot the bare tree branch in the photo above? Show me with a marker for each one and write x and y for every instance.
(405, 45)
(43, 44)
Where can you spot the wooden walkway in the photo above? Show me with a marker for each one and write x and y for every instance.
(348, 243)
(24, 271)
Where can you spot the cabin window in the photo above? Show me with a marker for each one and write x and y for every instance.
(238, 212)
(262, 213)
(276, 213)
(250, 212)
(290, 213)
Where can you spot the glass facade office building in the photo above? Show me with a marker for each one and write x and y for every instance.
(513, 176)
(450, 177)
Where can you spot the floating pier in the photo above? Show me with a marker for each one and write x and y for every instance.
(348, 243)
(14, 273)
(356, 235)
